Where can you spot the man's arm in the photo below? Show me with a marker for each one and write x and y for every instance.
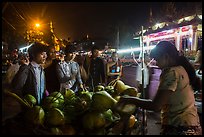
(19, 80)
(61, 75)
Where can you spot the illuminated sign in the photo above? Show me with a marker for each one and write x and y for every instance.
(185, 28)
(168, 33)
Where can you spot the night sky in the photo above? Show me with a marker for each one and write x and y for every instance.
(97, 19)
(77, 19)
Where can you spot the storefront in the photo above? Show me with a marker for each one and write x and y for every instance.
(184, 33)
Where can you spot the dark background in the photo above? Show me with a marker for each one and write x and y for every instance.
(75, 20)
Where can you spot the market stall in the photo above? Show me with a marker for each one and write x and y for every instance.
(87, 112)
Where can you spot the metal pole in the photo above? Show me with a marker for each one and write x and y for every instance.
(144, 117)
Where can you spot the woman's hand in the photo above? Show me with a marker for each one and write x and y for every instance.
(125, 100)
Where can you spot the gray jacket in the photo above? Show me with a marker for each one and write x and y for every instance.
(68, 74)
(25, 82)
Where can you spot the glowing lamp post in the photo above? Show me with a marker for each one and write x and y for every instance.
(37, 25)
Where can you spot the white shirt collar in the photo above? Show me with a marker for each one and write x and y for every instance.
(34, 64)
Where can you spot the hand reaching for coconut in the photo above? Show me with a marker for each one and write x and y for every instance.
(125, 102)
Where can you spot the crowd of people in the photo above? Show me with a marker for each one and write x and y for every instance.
(68, 70)
(42, 72)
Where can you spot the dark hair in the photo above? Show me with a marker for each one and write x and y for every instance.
(49, 50)
(194, 79)
(70, 49)
(35, 49)
(94, 48)
(166, 47)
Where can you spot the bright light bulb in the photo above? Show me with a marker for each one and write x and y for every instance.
(37, 25)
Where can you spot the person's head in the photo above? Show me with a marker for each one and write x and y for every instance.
(95, 51)
(70, 53)
(114, 56)
(198, 57)
(51, 54)
(37, 53)
(165, 54)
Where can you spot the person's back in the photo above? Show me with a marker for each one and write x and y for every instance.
(80, 59)
(180, 109)
(52, 82)
(95, 69)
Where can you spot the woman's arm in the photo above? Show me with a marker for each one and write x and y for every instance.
(160, 99)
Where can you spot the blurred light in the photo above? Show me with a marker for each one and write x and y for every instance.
(200, 27)
(136, 38)
(180, 20)
(187, 18)
(37, 25)
(134, 49)
(157, 25)
(190, 39)
(21, 49)
(200, 16)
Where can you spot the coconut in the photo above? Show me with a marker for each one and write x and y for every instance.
(58, 95)
(56, 131)
(68, 93)
(130, 91)
(55, 117)
(108, 115)
(99, 88)
(93, 120)
(102, 101)
(50, 102)
(109, 89)
(68, 130)
(120, 86)
(35, 115)
(30, 99)
(87, 96)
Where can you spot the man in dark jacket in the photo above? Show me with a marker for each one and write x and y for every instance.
(95, 68)
(30, 79)
(52, 82)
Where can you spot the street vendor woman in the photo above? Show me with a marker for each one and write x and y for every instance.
(175, 95)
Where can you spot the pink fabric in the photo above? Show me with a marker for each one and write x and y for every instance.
(46, 93)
